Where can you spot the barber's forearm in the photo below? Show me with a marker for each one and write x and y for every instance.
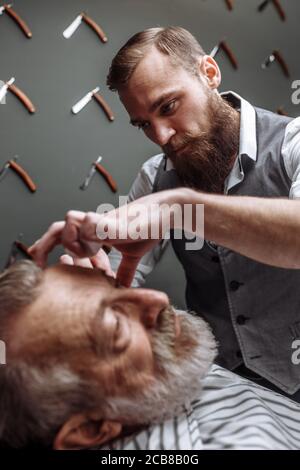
(267, 230)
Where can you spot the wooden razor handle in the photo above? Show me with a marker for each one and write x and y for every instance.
(104, 106)
(21, 23)
(229, 54)
(282, 63)
(22, 173)
(107, 176)
(25, 250)
(279, 9)
(95, 27)
(263, 5)
(229, 4)
(281, 111)
(22, 97)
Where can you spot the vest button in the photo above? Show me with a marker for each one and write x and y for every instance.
(241, 319)
(234, 285)
(215, 259)
(239, 354)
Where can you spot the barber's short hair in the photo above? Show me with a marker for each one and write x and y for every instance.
(176, 42)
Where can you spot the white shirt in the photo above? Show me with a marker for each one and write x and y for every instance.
(230, 413)
(144, 181)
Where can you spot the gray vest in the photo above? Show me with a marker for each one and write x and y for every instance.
(253, 309)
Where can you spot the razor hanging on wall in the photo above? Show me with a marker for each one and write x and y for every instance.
(277, 6)
(19, 171)
(9, 86)
(98, 98)
(7, 8)
(106, 175)
(222, 45)
(83, 17)
(277, 56)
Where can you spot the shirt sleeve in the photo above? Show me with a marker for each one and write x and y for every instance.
(291, 156)
(142, 186)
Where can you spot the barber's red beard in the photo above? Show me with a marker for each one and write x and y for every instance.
(207, 159)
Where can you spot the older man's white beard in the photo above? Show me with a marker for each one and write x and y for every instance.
(180, 376)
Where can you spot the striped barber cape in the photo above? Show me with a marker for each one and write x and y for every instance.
(231, 413)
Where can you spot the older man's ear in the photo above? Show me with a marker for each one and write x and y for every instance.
(86, 430)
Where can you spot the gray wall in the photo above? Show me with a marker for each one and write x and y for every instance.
(57, 147)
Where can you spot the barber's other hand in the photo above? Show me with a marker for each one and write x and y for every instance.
(77, 233)
(149, 217)
(81, 233)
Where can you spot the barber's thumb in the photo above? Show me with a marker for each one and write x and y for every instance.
(66, 259)
(126, 271)
(101, 261)
(90, 248)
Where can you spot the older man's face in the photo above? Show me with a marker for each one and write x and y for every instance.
(81, 318)
(126, 340)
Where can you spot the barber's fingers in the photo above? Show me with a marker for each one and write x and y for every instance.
(83, 262)
(66, 259)
(89, 239)
(70, 236)
(127, 268)
(101, 261)
(42, 247)
(79, 235)
(73, 261)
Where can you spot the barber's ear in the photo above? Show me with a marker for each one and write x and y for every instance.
(209, 69)
(84, 431)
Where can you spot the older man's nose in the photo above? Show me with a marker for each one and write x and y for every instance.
(153, 302)
(146, 303)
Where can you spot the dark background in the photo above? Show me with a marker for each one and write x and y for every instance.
(57, 148)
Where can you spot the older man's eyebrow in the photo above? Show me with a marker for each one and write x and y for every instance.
(101, 309)
(112, 280)
(165, 96)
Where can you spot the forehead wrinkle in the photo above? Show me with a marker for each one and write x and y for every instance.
(82, 283)
(61, 299)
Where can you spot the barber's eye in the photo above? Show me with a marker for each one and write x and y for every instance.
(168, 107)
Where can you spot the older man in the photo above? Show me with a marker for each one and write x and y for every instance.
(88, 362)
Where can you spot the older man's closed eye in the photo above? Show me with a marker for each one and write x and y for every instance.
(86, 360)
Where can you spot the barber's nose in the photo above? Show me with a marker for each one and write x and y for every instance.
(161, 134)
(147, 304)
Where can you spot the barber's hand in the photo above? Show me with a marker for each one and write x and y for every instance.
(99, 261)
(78, 235)
(83, 233)
(115, 227)
(69, 234)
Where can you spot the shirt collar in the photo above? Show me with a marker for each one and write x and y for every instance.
(248, 144)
